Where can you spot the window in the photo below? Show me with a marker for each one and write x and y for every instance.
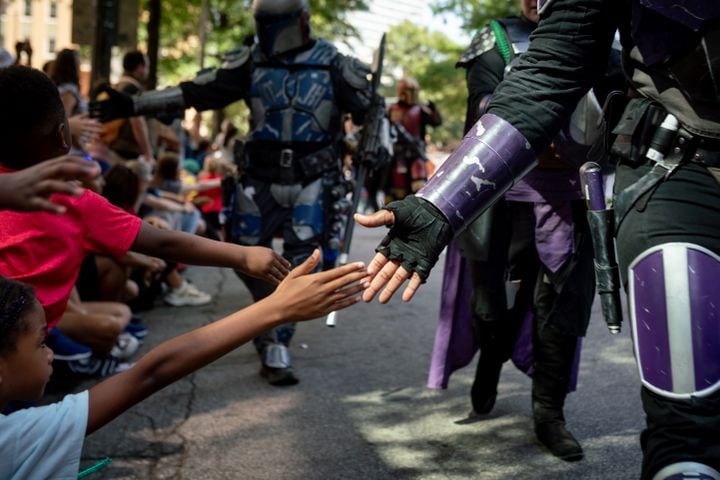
(51, 45)
(53, 8)
(27, 10)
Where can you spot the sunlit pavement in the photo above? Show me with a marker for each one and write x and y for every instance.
(361, 410)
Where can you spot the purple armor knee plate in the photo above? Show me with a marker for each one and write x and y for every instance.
(687, 471)
(674, 296)
(491, 157)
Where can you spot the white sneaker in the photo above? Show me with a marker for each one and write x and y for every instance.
(186, 295)
(125, 347)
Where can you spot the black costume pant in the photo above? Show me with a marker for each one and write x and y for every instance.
(560, 301)
(279, 213)
(684, 208)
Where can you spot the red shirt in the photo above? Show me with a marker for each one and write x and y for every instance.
(46, 250)
(214, 194)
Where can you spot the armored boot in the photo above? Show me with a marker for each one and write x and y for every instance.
(554, 356)
(276, 364)
(272, 346)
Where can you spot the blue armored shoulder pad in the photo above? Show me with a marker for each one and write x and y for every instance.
(235, 58)
(484, 41)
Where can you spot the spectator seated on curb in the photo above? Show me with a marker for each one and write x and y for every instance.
(46, 250)
(47, 441)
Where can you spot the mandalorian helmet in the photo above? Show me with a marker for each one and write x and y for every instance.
(279, 25)
(407, 90)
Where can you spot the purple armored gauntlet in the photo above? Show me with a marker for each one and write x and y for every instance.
(491, 157)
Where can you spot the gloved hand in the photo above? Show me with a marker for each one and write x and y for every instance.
(417, 236)
(110, 104)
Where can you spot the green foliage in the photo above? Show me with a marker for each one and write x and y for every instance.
(477, 13)
(329, 18)
(430, 58)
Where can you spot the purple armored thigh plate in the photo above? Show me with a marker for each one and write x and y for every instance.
(674, 295)
(491, 157)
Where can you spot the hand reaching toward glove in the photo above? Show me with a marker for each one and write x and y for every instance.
(305, 295)
(265, 264)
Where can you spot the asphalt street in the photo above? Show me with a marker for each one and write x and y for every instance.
(361, 410)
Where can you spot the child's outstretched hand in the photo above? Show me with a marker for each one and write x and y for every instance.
(265, 264)
(304, 296)
(30, 189)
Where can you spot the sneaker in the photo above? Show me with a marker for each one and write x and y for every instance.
(137, 331)
(125, 347)
(65, 349)
(95, 366)
(186, 295)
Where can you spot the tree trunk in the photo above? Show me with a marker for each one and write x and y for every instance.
(105, 37)
(153, 30)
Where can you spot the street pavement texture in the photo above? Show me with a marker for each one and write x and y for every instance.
(361, 410)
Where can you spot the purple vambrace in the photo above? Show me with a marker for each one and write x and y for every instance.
(491, 157)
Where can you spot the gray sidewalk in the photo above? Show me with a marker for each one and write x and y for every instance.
(361, 410)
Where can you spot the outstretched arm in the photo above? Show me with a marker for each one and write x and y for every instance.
(30, 189)
(527, 110)
(300, 297)
(211, 89)
(259, 262)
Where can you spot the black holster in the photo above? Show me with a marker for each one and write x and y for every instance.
(607, 274)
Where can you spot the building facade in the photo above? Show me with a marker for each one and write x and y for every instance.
(46, 24)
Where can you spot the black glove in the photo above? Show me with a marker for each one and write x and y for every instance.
(417, 237)
(116, 105)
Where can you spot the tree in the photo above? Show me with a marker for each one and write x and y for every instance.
(430, 58)
(476, 13)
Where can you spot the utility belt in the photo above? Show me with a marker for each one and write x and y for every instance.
(632, 143)
(287, 166)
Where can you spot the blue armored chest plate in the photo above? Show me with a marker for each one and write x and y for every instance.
(293, 101)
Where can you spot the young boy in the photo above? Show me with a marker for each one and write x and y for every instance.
(45, 250)
(46, 442)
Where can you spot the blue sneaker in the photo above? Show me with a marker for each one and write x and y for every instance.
(137, 331)
(66, 349)
(97, 366)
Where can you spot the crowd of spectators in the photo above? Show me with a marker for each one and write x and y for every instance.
(143, 164)
(72, 262)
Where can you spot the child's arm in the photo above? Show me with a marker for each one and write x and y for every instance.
(30, 189)
(299, 297)
(201, 185)
(259, 262)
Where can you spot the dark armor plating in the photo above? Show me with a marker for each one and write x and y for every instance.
(293, 101)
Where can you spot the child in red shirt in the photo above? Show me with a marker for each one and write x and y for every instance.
(46, 250)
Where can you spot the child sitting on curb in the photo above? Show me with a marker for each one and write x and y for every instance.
(46, 442)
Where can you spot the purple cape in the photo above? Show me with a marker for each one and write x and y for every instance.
(455, 343)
